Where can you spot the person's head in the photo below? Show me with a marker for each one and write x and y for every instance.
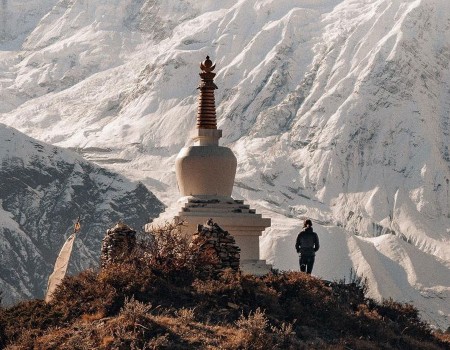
(307, 223)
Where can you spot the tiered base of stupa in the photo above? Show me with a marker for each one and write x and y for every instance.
(233, 216)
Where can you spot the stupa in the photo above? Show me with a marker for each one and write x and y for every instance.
(205, 175)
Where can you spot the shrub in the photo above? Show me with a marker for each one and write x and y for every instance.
(444, 337)
(135, 311)
(405, 317)
(29, 318)
(253, 330)
(84, 294)
(185, 315)
(167, 248)
(3, 338)
(286, 338)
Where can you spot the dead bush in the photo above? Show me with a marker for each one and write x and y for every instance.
(253, 330)
(285, 337)
(135, 311)
(158, 342)
(84, 294)
(28, 319)
(185, 315)
(405, 318)
(134, 328)
(3, 338)
(444, 337)
(167, 248)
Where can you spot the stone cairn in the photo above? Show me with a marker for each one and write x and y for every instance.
(217, 247)
(118, 243)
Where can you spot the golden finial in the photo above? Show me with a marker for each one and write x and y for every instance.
(207, 65)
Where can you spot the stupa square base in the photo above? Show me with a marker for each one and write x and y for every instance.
(255, 267)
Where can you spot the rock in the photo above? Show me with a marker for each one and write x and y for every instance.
(117, 244)
(212, 239)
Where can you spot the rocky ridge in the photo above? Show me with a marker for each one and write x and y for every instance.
(43, 189)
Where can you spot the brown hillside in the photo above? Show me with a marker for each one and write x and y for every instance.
(158, 300)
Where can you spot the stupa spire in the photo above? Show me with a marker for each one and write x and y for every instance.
(206, 114)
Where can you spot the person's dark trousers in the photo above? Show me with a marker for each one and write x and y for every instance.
(306, 263)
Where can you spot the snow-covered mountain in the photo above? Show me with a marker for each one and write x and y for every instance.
(43, 189)
(337, 110)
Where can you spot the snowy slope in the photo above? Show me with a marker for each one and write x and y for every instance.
(336, 109)
(18, 18)
(43, 189)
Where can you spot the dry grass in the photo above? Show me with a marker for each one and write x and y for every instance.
(143, 303)
(443, 336)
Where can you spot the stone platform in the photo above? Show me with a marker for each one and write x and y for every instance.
(234, 216)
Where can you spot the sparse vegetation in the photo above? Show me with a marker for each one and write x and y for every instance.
(156, 300)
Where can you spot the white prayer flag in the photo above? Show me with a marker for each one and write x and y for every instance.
(60, 269)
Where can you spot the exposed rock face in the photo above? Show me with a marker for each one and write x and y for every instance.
(218, 246)
(118, 243)
(42, 190)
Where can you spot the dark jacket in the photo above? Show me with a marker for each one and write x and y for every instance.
(307, 242)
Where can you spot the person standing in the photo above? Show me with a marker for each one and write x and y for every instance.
(307, 245)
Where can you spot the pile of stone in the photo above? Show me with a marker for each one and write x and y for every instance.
(215, 248)
(118, 244)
